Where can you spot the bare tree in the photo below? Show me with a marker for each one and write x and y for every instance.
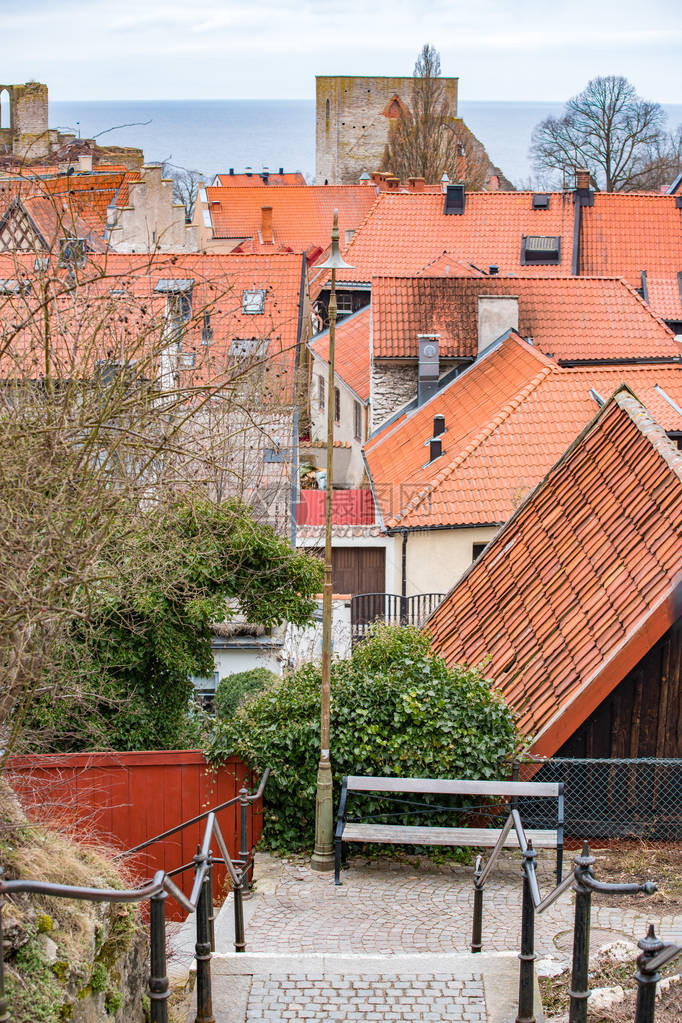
(607, 128)
(186, 183)
(426, 140)
(118, 392)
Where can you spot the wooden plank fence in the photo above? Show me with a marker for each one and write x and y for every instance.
(122, 799)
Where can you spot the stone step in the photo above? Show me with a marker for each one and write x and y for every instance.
(311, 988)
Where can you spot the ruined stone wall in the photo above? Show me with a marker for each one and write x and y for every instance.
(29, 128)
(352, 124)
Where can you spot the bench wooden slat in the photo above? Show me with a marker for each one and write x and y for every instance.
(446, 786)
(404, 834)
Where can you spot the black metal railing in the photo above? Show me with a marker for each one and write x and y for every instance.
(391, 609)
(157, 891)
(655, 953)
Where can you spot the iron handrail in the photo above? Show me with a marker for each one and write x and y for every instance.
(157, 890)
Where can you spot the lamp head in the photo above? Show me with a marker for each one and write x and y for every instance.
(334, 260)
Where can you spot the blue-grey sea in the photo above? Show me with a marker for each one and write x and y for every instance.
(214, 135)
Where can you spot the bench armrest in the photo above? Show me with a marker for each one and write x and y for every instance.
(341, 818)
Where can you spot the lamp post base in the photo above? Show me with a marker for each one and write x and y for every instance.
(323, 855)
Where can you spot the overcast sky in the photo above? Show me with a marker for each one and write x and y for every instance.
(225, 49)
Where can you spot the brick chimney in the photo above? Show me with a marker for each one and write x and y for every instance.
(582, 179)
(392, 182)
(266, 224)
(416, 184)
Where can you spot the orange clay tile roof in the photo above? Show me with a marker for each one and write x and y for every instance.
(403, 232)
(217, 283)
(508, 418)
(581, 582)
(569, 318)
(255, 180)
(301, 215)
(447, 265)
(351, 353)
(55, 218)
(625, 234)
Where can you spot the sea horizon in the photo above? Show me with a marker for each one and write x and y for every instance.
(215, 134)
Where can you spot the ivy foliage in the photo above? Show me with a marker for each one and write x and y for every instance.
(396, 709)
(122, 680)
(234, 689)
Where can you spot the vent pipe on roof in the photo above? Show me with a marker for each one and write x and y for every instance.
(438, 425)
(493, 271)
(429, 367)
(281, 170)
(232, 171)
(266, 224)
(435, 449)
(249, 172)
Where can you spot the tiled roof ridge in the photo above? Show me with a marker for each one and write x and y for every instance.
(544, 278)
(634, 195)
(649, 428)
(501, 417)
(646, 305)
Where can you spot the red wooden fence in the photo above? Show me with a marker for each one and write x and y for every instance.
(123, 799)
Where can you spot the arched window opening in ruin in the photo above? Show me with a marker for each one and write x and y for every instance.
(5, 109)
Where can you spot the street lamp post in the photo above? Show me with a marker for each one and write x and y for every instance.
(323, 854)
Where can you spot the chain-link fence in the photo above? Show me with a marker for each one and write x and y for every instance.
(609, 798)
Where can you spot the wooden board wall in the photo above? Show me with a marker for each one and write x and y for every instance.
(642, 717)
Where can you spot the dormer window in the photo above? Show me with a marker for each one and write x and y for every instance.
(454, 199)
(537, 248)
(253, 302)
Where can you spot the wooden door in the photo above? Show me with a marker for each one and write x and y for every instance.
(358, 570)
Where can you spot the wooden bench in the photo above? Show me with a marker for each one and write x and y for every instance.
(367, 831)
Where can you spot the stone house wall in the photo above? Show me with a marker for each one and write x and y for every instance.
(152, 221)
(392, 385)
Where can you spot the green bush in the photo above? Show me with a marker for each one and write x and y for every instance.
(233, 689)
(395, 710)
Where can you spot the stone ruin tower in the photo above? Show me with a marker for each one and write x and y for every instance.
(26, 135)
(353, 118)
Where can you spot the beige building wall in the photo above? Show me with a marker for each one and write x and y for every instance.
(347, 472)
(152, 221)
(436, 558)
(351, 124)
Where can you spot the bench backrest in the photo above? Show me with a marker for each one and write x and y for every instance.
(460, 787)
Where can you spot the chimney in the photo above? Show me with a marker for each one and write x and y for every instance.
(392, 182)
(493, 271)
(438, 425)
(376, 177)
(281, 171)
(582, 179)
(248, 171)
(496, 315)
(416, 184)
(266, 224)
(429, 367)
(85, 162)
(232, 171)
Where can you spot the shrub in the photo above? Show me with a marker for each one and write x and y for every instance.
(395, 710)
(233, 689)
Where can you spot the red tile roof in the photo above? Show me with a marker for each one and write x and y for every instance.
(86, 195)
(351, 353)
(301, 215)
(403, 232)
(217, 284)
(571, 319)
(581, 582)
(255, 180)
(623, 234)
(447, 265)
(508, 418)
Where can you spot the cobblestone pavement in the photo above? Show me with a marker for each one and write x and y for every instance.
(365, 998)
(392, 907)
